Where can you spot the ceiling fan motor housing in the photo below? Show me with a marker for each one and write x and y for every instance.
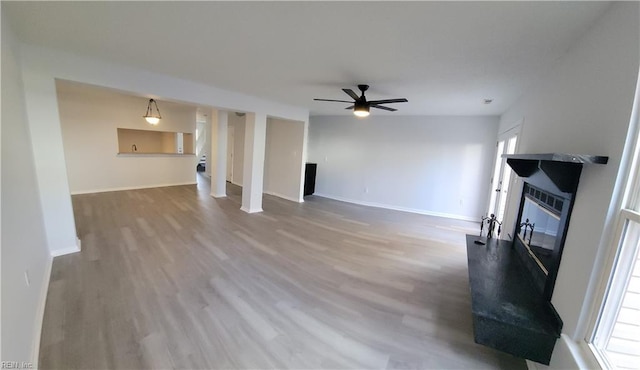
(361, 105)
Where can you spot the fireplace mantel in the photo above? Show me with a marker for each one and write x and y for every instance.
(561, 168)
(560, 157)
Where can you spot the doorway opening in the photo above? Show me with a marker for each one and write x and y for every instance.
(501, 179)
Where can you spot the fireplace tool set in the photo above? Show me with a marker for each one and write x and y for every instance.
(491, 222)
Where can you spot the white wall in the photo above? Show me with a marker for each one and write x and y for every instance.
(283, 155)
(432, 165)
(583, 106)
(89, 119)
(24, 246)
(238, 124)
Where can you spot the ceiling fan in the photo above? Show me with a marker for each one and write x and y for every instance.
(361, 105)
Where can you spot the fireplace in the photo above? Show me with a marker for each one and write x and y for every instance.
(548, 193)
(511, 282)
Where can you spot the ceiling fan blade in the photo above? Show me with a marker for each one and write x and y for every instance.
(387, 101)
(383, 108)
(339, 101)
(351, 94)
(351, 107)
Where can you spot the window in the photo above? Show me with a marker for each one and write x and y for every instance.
(616, 337)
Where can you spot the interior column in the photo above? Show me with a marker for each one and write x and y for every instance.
(219, 124)
(207, 145)
(253, 172)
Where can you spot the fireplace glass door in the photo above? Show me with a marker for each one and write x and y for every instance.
(539, 230)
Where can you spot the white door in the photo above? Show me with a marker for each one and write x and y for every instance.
(501, 176)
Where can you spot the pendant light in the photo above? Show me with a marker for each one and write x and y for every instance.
(153, 119)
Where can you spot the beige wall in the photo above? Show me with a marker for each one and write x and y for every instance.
(238, 124)
(283, 158)
(90, 118)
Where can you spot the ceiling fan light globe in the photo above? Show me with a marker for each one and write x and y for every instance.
(361, 113)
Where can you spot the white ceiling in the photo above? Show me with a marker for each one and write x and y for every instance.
(445, 57)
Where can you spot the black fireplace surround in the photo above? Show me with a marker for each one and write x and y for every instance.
(548, 194)
(512, 282)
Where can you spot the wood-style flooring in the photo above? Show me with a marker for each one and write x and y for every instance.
(172, 278)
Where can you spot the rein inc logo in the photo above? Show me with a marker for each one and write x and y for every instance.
(16, 365)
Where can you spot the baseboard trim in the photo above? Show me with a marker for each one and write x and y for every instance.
(396, 208)
(130, 188)
(35, 348)
(61, 252)
(251, 210)
(275, 194)
(222, 195)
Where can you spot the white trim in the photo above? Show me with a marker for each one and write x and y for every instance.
(513, 130)
(251, 210)
(514, 181)
(276, 194)
(35, 347)
(396, 208)
(579, 352)
(630, 214)
(222, 195)
(532, 365)
(130, 188)
(128, 154)
(64, 251)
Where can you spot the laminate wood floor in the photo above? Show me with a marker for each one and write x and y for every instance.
(172, 278)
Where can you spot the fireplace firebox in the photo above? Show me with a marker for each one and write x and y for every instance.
(539, 236)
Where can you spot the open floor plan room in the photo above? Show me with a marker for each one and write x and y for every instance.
(172, 278)
(320, 184)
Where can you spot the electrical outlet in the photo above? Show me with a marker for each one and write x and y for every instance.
(27, 280)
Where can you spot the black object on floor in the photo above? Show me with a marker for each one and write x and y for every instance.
(310, 178)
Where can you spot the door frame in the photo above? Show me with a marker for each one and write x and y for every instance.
(508, 222)
(230, 152)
